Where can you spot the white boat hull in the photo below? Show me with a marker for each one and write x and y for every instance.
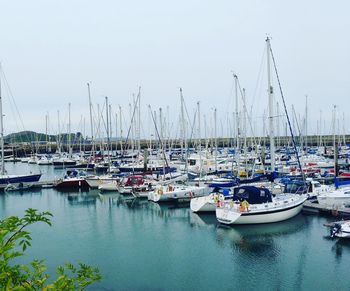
(232, 215)
(111, 186)
(205, 203)
(185, 193)
(334, 201)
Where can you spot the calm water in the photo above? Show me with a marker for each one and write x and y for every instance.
(139, 245)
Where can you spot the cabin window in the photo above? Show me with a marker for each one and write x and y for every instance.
(192, 162)
(347, 192)
(317, 185)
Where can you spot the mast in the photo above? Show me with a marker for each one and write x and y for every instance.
(216, 142)
(2, 133)
(199, 140)
(59, 132)
(121, 129)
(107, 127)
(306, 119)
(182, 123)
(139, 123)
(237, 124)
(270, 93)
(91, 121)
(69, 134)
(46, 134)
(244, 130)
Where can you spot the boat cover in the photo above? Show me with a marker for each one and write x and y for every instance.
(252, 194)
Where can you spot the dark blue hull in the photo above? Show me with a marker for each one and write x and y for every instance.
(20, 179)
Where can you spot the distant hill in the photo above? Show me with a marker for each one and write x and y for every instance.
(32, 136)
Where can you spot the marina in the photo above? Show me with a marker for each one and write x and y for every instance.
(188, 145)
(121, 233)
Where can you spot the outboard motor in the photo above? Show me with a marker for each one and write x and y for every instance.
(335, 229)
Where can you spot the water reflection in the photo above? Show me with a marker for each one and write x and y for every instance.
(24, 192)
(340, 246)
(203, 219)
(258, 237)
(82, 198)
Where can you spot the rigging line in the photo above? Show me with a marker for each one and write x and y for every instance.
(296, 121)
(245, 109)
(192, 127)
(160, 140)
(286, 111)
(258, 81)
(13, 100)
(132, 118)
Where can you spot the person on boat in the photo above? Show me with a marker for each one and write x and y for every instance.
(245, 205)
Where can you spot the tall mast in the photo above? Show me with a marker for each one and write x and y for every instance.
(59, 132)
(216, 142)
(139, 123)
(116, 133)
(91, 120)
(244, 130)
(121, 129)
(306, 119)
(237, 123)
(107, 127)
(270, 93)
(2, 133)
(182, 123)
(69, 135)
(199, 139)
(46, 133)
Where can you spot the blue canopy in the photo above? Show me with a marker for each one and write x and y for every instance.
(252, 194)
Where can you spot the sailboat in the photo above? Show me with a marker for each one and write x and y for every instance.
(253, 205)
(6, 179)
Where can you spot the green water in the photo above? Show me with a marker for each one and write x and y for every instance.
(139, 245)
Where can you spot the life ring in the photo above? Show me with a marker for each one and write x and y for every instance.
(160, 191)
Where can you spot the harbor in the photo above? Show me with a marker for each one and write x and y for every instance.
(131, 240)
(188, 145)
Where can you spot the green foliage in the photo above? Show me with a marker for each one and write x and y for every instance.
(14, 240)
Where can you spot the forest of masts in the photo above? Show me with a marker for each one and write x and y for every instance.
(127, 129)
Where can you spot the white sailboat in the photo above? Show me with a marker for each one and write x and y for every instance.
(253, 205)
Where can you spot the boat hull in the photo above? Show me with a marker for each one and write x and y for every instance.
(72, 184)
(178, 194)
(11, 179)
(229, 216)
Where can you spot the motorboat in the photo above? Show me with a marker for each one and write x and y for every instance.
(252, 205)
(72, 180)
(337, 198)
(340, 229)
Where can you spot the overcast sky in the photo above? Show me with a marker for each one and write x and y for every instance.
(50, 49)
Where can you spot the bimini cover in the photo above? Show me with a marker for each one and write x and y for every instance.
(252, 194)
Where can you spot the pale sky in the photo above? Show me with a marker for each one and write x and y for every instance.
(50, 49)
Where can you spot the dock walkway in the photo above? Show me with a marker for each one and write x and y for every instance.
(314, 207)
